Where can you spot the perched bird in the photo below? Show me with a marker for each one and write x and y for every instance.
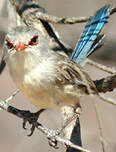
(47, 78)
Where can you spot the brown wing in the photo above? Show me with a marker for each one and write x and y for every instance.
(70, 73)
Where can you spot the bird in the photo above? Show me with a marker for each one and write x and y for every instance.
(49, 79)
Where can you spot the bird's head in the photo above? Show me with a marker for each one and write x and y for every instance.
(23, 40)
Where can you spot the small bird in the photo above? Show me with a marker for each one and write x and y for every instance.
(46, 78)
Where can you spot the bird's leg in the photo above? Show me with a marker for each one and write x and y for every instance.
(71, 117)
(27, 116)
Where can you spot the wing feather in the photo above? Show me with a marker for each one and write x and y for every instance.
(70, 74)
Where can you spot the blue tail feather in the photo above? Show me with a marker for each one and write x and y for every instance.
(87, 43)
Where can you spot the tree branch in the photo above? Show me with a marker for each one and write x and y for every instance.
(40, 14)
(110, 70)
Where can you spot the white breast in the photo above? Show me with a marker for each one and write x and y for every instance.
(36, 80)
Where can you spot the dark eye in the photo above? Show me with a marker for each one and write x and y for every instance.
(9, 44)
(34, 40)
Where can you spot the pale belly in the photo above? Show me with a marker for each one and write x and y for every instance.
(32, 85)
(51, 97)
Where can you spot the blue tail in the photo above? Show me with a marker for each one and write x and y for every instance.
(90, 38)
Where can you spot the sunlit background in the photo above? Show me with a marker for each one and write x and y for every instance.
(12, 137)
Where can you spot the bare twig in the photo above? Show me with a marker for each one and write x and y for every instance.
(59, 20)
(101, 67)
(12, 96)
(41, 15)
(3, 104)
(107, 99)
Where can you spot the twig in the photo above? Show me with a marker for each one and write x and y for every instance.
(42, 15)
(48, 132)
(12, 96)
(101, 67)
(60, 20)
(107, 99)
(4, 104)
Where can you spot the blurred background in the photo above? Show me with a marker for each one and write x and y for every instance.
(12, 137)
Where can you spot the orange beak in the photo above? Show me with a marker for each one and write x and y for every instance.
(20, 47)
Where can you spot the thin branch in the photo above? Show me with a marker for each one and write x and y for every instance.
(12, 96)
(42, 15)
(101, 67)
(4, 104)
(59, 20)
(107, 99)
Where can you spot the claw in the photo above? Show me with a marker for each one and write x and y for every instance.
(30, 117)
(27, 116)
(24, 123)
(32, 131)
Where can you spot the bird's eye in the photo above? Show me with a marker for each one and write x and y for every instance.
(9, 44)
(34, 40)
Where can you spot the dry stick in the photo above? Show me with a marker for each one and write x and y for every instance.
(48, 132)
(101, 67)
(107, 99)
(59, 20)
(12, 96)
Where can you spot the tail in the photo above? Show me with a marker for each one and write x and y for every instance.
(90, 38)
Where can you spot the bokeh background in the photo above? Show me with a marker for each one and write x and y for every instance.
(12, 137)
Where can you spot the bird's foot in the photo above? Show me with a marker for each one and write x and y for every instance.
(30, 118)
(27, 116)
